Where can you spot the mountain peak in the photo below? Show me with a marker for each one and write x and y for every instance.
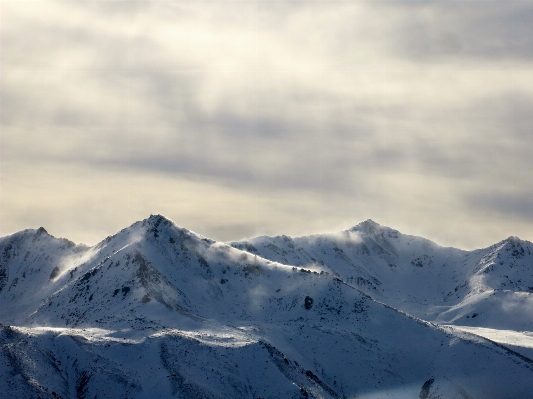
(370, 222)
(156, 224)
(41, 230)
(368, 226)
(516, 246)
(29, 234)
(158, 218)
(513, 239)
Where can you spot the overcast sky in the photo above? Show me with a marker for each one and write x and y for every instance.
(240, 118)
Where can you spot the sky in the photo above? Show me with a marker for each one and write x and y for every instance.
(241, 118)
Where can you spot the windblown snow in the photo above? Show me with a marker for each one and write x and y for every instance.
(157, 311)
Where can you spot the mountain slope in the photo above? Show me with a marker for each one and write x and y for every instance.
(32, 267)
(159, 311)
(488, 287)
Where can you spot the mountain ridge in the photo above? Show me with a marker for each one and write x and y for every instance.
(158, 308)
(429, 278)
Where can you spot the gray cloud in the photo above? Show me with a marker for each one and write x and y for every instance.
(353, 104)
(509, 114)
(463, 30)
(514, 204)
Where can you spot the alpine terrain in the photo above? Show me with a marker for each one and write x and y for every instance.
(157, 311)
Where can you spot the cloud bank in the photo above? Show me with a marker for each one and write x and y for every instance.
(241, 118)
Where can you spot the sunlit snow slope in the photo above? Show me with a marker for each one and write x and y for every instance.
(159, 311)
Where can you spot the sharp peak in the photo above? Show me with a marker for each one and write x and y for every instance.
(155, 224)
(147, 226)
(41, 230)
(509, 240)
(370, 222)
(514, 240)
(368, 226)
(156, 221)
(41, 233)
(158, 218)
(33, 232)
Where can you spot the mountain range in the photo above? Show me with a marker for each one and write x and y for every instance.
(158, 311)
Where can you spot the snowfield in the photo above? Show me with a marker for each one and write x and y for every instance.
(157, 311)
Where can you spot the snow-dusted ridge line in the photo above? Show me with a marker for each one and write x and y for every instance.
(416, 275)
(157, 308)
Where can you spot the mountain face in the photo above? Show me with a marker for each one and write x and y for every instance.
(157, 311)
(490, 287)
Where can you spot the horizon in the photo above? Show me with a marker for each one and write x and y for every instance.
(93, 244)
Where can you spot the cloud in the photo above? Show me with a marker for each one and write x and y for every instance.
(512, 204)
(464, 31)
(397, 112)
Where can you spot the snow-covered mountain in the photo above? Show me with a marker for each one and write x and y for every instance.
(159, 311)
(489, 287)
